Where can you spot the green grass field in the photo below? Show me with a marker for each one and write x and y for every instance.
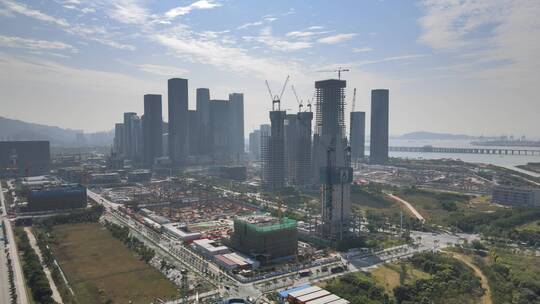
(442, 208)
(388, 275)
(532, 226)
(101, 269)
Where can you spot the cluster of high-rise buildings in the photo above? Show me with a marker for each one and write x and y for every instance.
(291, 155)
(213, 131)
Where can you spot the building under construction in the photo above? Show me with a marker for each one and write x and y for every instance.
(291, 139)
(303, 165)
(273, 152)
(266, 238)
(332, 159)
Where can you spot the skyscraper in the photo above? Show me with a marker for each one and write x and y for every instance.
(291, 143)
(152, 129)
(303, 171)
(178, 120)
(378, 151)
(237, 121)
(204, 142)
(255, 144)
(130, 135)
(220, 127)
(273, 152)
(194, 132)
(118, 139)
(332, 159)
(357, 135)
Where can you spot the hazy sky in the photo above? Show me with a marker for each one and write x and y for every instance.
(461, 66)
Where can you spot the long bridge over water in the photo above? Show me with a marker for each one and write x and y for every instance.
(475, 150)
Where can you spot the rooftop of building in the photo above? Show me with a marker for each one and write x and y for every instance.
(265, 223)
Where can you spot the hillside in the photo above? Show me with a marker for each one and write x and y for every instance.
(12, 129)
(421, 135)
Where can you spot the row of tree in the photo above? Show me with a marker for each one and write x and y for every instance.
(33, 271)
(122, 233)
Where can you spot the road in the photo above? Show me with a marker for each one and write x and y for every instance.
(408, 205)
(425, 241)
(4, 277)
(486, 298)
(19, 278)
(33, 242)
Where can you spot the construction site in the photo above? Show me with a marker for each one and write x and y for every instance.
(266, 238)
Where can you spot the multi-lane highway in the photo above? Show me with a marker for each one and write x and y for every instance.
(5, 295)
(12, 249)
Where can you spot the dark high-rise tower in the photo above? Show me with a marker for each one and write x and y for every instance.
(220, 127)
(152, 129)
(131, 121)
(178, 120)
(291, 142)
(357, 135)
(303, 171)
(204, 142)
(255, 144)
(273, 152)
(119, 139)
(378, 151)
(194, 132)
(333, 159)
(237, 121)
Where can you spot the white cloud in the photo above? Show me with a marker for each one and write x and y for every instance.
(249, 24)
(362, 50)
(265, 19)
(182, 41)
(276, 43)
(304, 34)
(501, 35)
(161, 70)
(128, 12)
(184, 10)
(336, 38)
(32, 44)
(32, 13)
(98, 34)
(392, 58)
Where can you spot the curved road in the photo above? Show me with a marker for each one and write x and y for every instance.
(408, 205)
(486, 298)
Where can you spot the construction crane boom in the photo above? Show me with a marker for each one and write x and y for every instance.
(269, 90)
(300, 105)
(283, 89)
(277, 99)
(354, 100)
(338, 70)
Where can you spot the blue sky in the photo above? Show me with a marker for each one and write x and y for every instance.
(462, 66)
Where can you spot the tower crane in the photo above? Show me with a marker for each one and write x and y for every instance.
(338, 70)
(310, 101)
(300, 105)
(353, 100)
(276, 99)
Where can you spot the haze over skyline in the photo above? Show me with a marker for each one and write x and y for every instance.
(451, 66)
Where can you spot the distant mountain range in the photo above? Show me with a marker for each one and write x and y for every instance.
(434, 136)
(12, 129)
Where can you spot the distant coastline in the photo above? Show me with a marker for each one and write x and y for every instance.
(507, 143)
